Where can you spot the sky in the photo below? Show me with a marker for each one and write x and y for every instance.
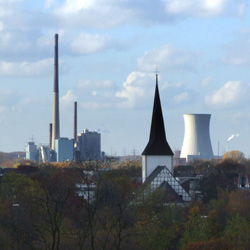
(108, 54)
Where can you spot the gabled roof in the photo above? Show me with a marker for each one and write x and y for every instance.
(157, 144)
(152, 176)
(170, 195)
(161, 177)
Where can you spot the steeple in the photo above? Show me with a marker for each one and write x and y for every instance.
(157, 144)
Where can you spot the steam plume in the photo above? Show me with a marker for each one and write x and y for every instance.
(233, 136)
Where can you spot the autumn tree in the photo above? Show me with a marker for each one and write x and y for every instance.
(158, 226)
(199, 227)
(238, 233)
(17, 193)
(56, 190)
(218, 244)
(238, 203)
(235, 155)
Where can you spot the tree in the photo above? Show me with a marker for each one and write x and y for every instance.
(200, 228)
(56, 190)
(216, 244)
(235, 155)
(115, 214)
(158, 226)
(238, 203)
(17, 194)
(220, 205)
(238, 233)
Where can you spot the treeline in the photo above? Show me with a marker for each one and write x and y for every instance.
(40, 209)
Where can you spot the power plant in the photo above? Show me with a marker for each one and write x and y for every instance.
(85, 146)
(197, 143)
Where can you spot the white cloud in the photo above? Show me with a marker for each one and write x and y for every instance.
(98, 13)
(204, 8)
(139, 88)
(38, 68)
(183, 97)
(75, 6)
(140, 85)
(168, 58)
(69, 97)
(134, 88)
(230, 94)
(94, 13)
(95, 94)
(49, 3)
(88, 43)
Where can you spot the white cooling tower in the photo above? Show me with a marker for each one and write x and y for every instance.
(197, 143)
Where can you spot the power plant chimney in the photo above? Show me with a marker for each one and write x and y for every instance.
(197, 143)
(50, 135)
(75, 121)
(56, 124)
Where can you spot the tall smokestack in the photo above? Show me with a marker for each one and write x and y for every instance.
(56, 124)
(75, 121)
(50, 135)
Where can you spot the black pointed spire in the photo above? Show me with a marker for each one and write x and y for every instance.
(157, 144)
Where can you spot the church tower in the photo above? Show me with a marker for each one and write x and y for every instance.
(157, 151)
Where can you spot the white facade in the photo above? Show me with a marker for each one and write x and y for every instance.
(197, 143)
(150, 162)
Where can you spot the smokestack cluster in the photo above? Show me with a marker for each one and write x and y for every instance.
(55, 122)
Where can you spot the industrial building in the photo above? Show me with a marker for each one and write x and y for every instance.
(31, 151)
(197, 143)
(89, 145)
(60, 149)
(64, 148)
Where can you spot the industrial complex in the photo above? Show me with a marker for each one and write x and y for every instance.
(85, 146)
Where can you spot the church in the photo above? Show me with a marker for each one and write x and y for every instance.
(157, 157)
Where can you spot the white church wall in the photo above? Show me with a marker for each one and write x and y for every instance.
(150, 162)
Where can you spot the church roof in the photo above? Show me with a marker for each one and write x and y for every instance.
(157, 144)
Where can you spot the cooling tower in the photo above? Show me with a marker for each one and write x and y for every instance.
(56, 125)
(197, 143)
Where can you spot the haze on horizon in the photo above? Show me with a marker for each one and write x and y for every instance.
(108, 51)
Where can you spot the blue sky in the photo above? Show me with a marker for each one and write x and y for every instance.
(108, 51)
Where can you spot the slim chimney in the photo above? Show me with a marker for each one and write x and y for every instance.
(50, 135)
(75, 121)
(56, 124)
